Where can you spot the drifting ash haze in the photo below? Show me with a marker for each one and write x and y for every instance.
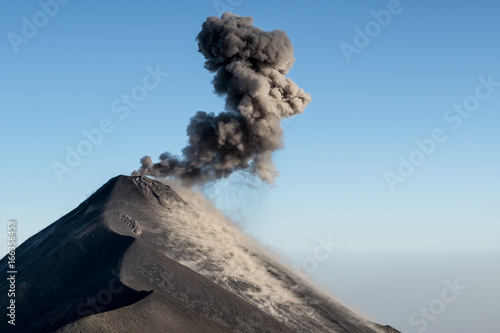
(138, 257)
(250, 67)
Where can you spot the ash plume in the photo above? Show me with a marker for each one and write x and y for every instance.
(250, 67)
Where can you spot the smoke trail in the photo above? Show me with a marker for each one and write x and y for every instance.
(251, 67)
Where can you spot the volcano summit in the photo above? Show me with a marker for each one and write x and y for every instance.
(136, 256)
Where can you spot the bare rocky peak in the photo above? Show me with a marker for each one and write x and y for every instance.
(135, 256)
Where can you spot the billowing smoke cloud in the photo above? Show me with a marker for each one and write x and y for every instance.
(251, 67)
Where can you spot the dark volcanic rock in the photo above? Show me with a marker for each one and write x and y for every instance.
(137, 257)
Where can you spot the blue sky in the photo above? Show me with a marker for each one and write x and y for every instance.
(365, 114)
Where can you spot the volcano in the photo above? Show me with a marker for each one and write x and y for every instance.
(138, 256)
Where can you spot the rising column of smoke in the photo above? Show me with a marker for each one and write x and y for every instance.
(251, 67)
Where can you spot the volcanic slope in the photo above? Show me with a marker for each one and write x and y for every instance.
(136, 256)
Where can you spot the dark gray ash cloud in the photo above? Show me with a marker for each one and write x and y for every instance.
(250, 67)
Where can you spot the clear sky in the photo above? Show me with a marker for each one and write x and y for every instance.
(382, 74)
